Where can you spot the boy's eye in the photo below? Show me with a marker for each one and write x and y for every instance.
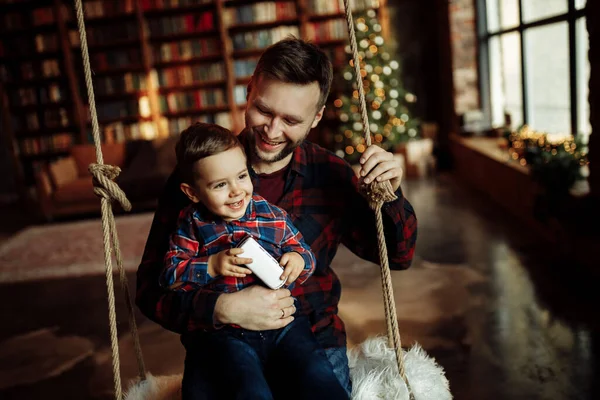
(243, 176)
(220, 185)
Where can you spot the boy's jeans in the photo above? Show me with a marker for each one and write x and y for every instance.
(235, 363)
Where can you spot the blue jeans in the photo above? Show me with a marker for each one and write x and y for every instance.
(235, 363)
(339, 360)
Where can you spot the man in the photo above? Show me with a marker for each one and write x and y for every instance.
(286, 98)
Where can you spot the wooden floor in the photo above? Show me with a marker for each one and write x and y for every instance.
(506, 315)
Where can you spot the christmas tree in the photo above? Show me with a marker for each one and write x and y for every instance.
(388, 103)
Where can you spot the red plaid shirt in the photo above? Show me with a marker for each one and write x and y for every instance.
(321, 197)
(200, 235)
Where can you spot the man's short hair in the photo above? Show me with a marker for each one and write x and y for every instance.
(294, 60)
(201, 140)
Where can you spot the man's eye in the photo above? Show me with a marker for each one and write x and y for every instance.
(290, 122)
(260, 110)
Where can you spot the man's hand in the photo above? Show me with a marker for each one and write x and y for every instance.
(378, 164)
(293, 264)
(256, 308)
(227, 263)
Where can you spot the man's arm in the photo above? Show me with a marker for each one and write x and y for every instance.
(360, 234)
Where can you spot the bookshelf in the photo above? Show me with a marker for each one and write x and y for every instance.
(158, 65)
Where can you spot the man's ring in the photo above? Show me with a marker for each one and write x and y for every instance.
(282, 314)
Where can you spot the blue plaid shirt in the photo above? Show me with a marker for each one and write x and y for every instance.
(200, 234)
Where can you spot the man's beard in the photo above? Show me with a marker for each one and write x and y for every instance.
(271, 158)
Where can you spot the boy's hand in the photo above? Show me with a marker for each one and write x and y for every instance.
(227, 263)
(293, 264)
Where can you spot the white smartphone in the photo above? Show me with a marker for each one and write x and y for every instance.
(263, 264)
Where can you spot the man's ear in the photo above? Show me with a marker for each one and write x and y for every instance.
(189, 192)
(318, 117)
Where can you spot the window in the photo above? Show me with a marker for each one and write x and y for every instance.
(533, 64)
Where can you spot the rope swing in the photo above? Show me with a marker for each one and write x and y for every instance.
(379, 367)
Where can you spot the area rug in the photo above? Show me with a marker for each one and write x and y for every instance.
(70, 249)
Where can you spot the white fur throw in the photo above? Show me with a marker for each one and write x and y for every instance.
(375, 374)
(372, 368)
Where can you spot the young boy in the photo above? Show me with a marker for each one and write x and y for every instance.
(282, 363)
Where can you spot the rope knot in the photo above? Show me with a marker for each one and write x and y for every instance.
(105, 186)
(377, 193)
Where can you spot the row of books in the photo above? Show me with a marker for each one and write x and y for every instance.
(107, 60)
(111, 110)
(243, 68)
(22, 45)
(332, 29)
(194, 100)
(51, 93)
(337, 6)
(46, 144)
(103, 8)
(46, 42)
(50, 118)
(12, 21)
(119, 132)
(178, 24)
(96, 35)
(127, 83)
(186, 49)
(176, 125)
(239, 94)
(189, 74)
(260, 12)
(159, 4)
(263, 38)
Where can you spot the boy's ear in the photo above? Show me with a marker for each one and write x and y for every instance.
(189, 192)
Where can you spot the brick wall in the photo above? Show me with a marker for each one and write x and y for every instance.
(463, 33)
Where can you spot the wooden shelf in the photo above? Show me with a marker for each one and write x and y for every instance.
(45, 155)
(109, 46)
(35, 81)
(193, 86)
(45, 131)
(183, 36)
(31, 57)
(323, 17)
(35, 107)
(188, 61)
(120, 96)
(46, 28)
(160, 12)
(203, 110)
(262, 25)
(230, 3)
(247, 53)
(118, 71)
(242, 79)
(129, 119)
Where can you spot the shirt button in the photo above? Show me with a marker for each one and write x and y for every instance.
(198, 275)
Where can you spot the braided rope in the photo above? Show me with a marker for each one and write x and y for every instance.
(377, 194)
(105, 188)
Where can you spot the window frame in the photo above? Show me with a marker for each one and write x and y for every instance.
(483, 37)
